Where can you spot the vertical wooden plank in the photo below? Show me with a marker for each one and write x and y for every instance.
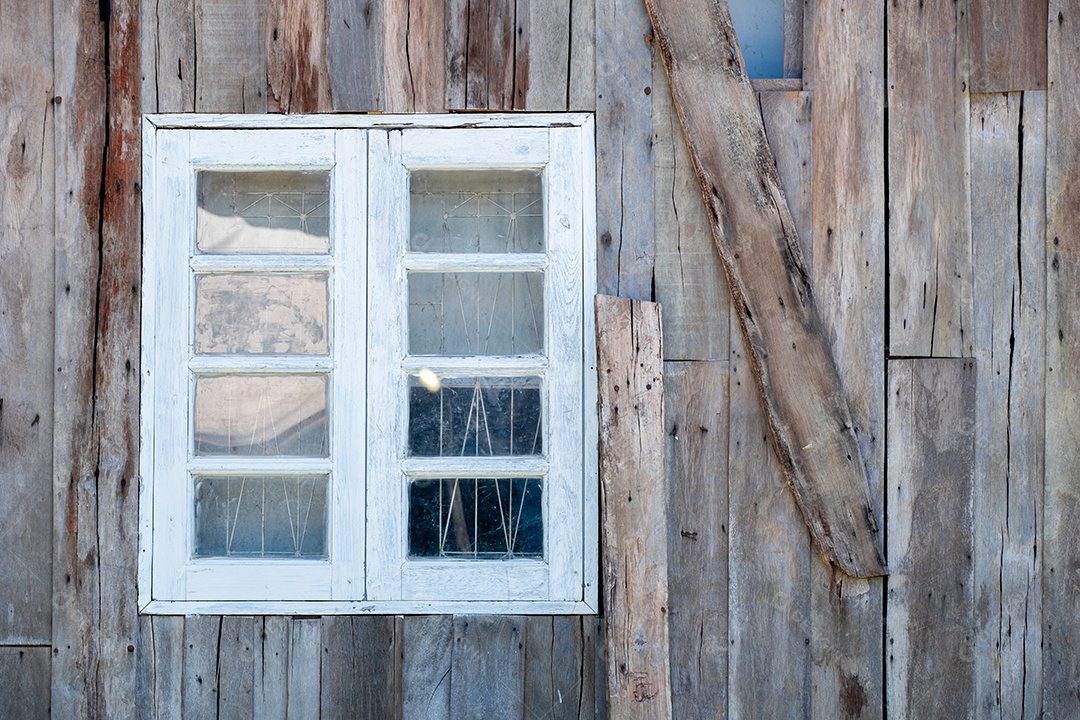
(1008, 136)
(296, 49)
(236, 670)
(689, 279)
(1061, 513)
(930, 620)
(362, 667)
(582, 89)
(787, 119)
(230, 55)
(793, 38)
(355, 55)
(166, 666)
(271, 696)
(543, 55)
(428, 644)
(929, 231)
(554, 667)
(696, 435)
(427, 54)
(202, 638)
(457, 52)
(488, 667)
(635, 577)
(24, 694)
(26, 328)
(844, 46)
(1008, 45)
(303, 673)
(624, 160)
(172, 54)
(489, 61)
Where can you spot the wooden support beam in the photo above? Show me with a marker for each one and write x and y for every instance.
(634, 505)
(755, 236)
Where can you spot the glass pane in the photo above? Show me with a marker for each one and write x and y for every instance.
(488, 211)
(260, 516)
(281, 313)
(476, 313)
(476, 518)
(263, 212)
(475, 417)
(261, 415)
(759, 25)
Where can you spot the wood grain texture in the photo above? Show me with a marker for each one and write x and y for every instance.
(202, 635)
(845, 74)
(489, 55)
(171, 26)
(428, 643)
(1008, 45)
(236, 671)
(426, 43)
(929, 230)
(26, 330)
(271, 694)
(635, 572)
(696, 458)
(581, 93)
(24, 694)
(296, 49)
(161, 658)
(1061, 513)
(303, 673)
(488, 673)
(1008, 164)
(362, 667)
(625, 221)
(230, 55)
(542, 68)
(757, 240)
(355, 53)
(930, 621)
(556, 657)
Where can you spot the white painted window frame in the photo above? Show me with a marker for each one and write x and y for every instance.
(368, 571)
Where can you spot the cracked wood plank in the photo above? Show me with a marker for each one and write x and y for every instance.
(929, 208)
(362, 667)
(168, 42)
(1008, 212)
(1008, 45)
(930, 622)
(756, 238)
(480, 52)
(635, 572)
(428, 651)
(558, 668)
(297, 68)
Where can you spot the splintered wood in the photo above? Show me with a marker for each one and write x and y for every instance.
(755, 236)
(634, 506)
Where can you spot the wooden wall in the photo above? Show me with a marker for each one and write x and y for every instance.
(931, 184)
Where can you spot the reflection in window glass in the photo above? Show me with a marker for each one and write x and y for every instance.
(759, 25)
(475, 417)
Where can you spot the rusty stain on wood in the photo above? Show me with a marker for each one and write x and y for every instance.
(296, 46)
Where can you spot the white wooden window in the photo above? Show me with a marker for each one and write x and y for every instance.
(368, 365)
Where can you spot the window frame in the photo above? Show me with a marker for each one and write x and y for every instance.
(367, 570)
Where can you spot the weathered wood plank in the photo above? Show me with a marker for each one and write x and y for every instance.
(696, 458)
(1008, 135)
(635, 574)
(163, 661)
(428, 644)
(202, 637)
(427, 55)
(930, 619)
(1008, 45)
(172, 54)
(457, 52)
(271, 693)
(788, 129)
(489, 62)
(488, 674)
(757, 240)
(581, 93)
(297, 68)
(303, 672)
(24, 693)
(236, 669)
(768, 565)
(689, 279)
(362, 667)
(1061, 513)
(230, 55)
(929, 232)
(355, 55)
(26, 328)
(845, 48)
(793, 37)
(542, 68)
(624, 162)
(555, 660)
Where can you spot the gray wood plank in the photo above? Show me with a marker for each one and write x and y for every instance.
(542, 67)
(1008, 45)
(696, 457)
(362, 667)
(230, 55)
(582, 89)
(489, 63)
(303, 673)
(929, 232)
(1061, 510)
(165, 661)
(297, 71)
(355, 55)
(26, 325)
(173, 55)
(457, 52)
(236, 668)
(1008, 136)
(24, 693)
(930, 619)
(788, 128)
(624, 163)
(271, 693)
(428, 644)
(555, 657)
(634, 575)
(488, 674)
(202, 642)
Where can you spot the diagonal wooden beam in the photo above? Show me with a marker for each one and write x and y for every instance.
(755, 236)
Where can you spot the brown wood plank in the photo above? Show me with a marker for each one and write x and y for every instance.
(489, 61)
(635, 573)
(427, 54)
(696, 457)
(1008, 45)
(362, 669)
(428, 642)
(624, 161)
(296, 49)
(457, 52)
(172, 65)
(26, 326)
(230, 55)
(757, 240)
(542, 68)
(788, 129)
(930, 620)
(929, 232)
(24, 693)
(271, 693)
(844, 44)
(488, 674)
(236, 668)
(1008, 136)
(355, 55)
(1061, 510)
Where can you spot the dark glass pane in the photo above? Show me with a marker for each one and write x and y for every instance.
(476, 417)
